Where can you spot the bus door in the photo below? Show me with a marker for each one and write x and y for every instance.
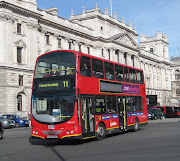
(88, 123)
(122, 113)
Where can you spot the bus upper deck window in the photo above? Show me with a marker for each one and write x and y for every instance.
(126, 74)
(139, 77)
(119, 74)
(132, 75)
(97, 68)
(109, 70)
(85, 66)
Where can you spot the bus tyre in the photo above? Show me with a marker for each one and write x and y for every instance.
(1, 135)
(136, 125)
(101, 131)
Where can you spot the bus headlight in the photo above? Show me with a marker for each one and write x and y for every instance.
(72, 131)
(33, 132)
(36, 132)
(67, 132)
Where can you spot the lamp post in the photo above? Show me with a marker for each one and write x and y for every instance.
(148, 81)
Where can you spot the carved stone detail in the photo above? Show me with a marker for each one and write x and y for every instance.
(6, 17)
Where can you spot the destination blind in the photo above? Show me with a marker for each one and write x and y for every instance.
(114, 87)
(53, 85)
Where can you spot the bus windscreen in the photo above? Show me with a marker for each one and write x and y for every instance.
(57, 63)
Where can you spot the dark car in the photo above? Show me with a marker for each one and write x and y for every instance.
(1, 131)
(19, 120)
(7, 123)
(155, 113)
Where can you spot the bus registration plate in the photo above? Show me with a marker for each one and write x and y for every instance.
(52, 127)
(52, 136)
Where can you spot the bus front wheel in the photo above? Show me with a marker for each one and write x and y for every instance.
(101, 131)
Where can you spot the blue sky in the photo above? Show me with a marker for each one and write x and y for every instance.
(149, 16)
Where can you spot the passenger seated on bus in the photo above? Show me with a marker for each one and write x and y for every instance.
(96, 75)
(46, 74)
(110, 109)
(118, 76)
(109, 76)
(54, 71)
(84, 70)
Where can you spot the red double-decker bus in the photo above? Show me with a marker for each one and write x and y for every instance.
(80, 96)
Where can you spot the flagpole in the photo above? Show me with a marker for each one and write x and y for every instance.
(177, 51)
(111, 7)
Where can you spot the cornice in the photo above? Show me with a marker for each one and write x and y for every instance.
(17, 8)
(148, 41)
(7, 17)
(125, 27)
(154, 59)
(17, 69)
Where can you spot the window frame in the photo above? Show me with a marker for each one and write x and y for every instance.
(19, 55)
(19, 102)
(101, 71)
(110, 69)
(19, 28)
(89, 72)
(126, 79)
(20, 80)
(121, 74)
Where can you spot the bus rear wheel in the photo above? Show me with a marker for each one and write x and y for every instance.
(136, 125)
(101, 131)
(1, 135)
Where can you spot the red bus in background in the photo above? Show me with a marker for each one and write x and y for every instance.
(177, 111)
(80, 96)
(168, 111)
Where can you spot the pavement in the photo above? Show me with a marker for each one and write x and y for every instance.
(165, 120)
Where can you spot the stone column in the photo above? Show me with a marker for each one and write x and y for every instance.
(129, 59)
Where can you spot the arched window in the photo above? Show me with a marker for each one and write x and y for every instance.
(151, 51)
(125, 58)
(19, 102)
(177, 75)
(132, 60)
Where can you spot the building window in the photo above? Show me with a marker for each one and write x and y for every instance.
(19, 55)
(102, 52)
(59, 43)
(132, 59)
(117, 54)
(19, 102)
(79, 47)
(20, 80)
(47, 39)
(151, 51)
(109, 54)
(18, 28)
(70, 45)
(88, 48)
(177, 75)
(125, 58)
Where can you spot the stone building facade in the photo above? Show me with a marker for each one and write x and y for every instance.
(175, 83)
(28, 32)
(154, 60)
